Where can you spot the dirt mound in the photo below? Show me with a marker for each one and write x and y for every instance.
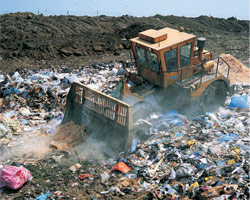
(133, 30)
(68, 136)
(34, 41)
(239, 73)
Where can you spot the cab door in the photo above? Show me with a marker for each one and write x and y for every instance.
(178, 62)
(171, 65)
(185, 63)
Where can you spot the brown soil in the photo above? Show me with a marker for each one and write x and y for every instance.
(239, 73)
(35, 41)
(68, 136)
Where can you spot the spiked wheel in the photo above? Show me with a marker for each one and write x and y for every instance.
(214, 96)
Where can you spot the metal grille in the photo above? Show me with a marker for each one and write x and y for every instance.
(102, 104)
(79, 95)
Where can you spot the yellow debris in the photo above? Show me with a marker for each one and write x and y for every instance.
(235, 149)
(191, 143)
(235, 152)
(230, 162)
(196, 184)
(208, 178)
(237, 157)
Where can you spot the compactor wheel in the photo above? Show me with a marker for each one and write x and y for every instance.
(214, 96)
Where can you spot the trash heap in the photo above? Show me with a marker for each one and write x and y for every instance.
(45, 90)
(31, 108)
(208, 158)
(29, 100)
(172, 156)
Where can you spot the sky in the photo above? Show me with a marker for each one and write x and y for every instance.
(189, 8)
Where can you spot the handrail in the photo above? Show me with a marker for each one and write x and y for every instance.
(202, 70)
(226, 64)
(132, 58)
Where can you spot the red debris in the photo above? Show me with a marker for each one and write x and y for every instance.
(122, 167)
(83, 176)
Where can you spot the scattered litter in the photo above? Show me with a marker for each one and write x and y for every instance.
(83, 176)
(105, 177)
(171, 155)
(43, 196)
(75, 167)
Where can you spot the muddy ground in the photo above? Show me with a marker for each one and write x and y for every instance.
(35, 41)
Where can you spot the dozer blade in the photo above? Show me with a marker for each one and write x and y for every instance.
(108, 120)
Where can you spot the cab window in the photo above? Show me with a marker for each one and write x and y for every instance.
(153, 61)
(141, 59)
(171, 60)
(185, 54)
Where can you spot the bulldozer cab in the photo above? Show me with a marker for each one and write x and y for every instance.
(162, 55)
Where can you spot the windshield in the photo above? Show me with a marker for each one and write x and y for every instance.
(153, 61)
(141, 59)
(147, 60)
(171, 60)
(185, 54)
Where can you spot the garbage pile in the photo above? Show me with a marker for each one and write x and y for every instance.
(171, 157)
(32, 102)
(209, 158)
(45, 90)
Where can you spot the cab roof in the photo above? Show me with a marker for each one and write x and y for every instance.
(160, 39)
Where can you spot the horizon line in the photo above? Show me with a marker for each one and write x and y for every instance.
(97, 14)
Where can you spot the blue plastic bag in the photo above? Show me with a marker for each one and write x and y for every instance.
(10, 91)
(173, 118)
(220, 163)
(239, 101)
(43, 196)
(179, 134)
(161, 141)
(228, 138)
(134, 144)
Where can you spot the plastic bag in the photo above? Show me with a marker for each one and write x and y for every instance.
(43, 196)
(228, 138)
(10, 91)
(174, 119)
(133, 146)
(1, 78)
(14, 177)
(122, 167)
(72, 78)
(238, 101)
(105, 177)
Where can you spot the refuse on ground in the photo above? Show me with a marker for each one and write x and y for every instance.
(172, 156)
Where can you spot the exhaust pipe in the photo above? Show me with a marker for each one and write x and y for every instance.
(200, 45)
